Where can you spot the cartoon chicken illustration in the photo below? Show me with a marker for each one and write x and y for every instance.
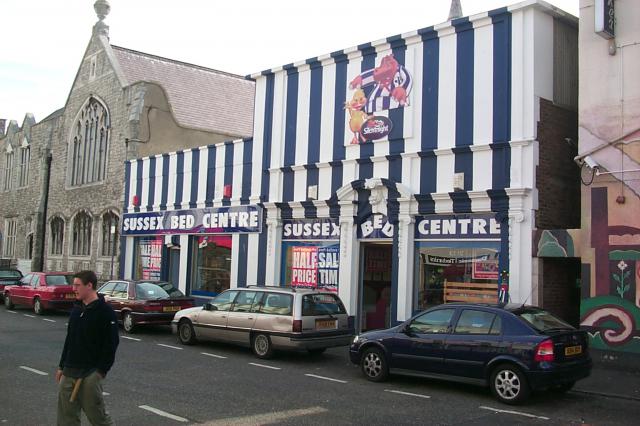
(356, 114)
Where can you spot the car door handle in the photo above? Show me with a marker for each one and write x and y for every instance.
(250, 318)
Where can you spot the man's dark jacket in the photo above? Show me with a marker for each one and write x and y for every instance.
(92, 338)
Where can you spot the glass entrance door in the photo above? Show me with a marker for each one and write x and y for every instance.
(375, 303)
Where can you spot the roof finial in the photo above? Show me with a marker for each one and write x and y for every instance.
(102, 8)
(455, 11)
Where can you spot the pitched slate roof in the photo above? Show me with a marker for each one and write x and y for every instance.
(200, 97)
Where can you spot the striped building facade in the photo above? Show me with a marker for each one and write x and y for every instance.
(459, 144)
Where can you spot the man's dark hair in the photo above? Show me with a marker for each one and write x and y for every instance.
(87, 277)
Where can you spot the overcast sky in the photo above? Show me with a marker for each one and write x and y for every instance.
(42, 41)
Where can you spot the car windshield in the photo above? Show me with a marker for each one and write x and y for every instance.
(321, 304)
(159, 290)
(10, 274)
(59, 279)
(542, 320)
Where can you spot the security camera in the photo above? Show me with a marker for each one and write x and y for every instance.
(591, 162)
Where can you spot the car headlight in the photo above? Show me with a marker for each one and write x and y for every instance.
(356, 339)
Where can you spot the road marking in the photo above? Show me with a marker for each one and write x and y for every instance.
(326, 378)
(268, 418)
(33, 370)
(169, 346)
(12, 312)
(130, 338)
(265, 366)
(30, 316)
(49, 320)
(518, 413)
(407, 393)
(214, 355)
(106, 393)
(164, 414)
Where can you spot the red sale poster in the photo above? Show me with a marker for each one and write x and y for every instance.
(304, 267)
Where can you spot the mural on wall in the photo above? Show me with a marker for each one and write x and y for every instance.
(610, 308)
(384, 87)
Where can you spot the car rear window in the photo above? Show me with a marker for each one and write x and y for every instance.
(542, 320)
(277, 304)
(10, 274)
(168, 288)
(150, 291)
(59, 279)
(321, 304)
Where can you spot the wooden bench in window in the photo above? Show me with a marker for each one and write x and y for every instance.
(470, 292)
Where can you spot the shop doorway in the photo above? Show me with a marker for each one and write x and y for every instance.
(561, 288)
(375, 288)
(174, 266)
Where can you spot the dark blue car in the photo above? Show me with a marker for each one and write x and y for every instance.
(514, 349)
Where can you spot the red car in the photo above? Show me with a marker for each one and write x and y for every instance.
(144, 302)
(42, 291)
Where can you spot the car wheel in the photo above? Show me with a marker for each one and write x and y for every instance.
(127, 323)
(186, 334)
(261, 346)
(8, 303)
(37, 306)
(374, 365)
(509, 385)
(316, 352)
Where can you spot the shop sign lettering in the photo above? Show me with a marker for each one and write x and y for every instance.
(239, 219)
(310, 229)
(376, 226)
(436, 227)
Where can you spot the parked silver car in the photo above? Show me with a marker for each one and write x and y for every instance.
(268, 319)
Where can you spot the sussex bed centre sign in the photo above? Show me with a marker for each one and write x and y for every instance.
(240, 219)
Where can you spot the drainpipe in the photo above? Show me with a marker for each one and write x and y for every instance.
(38, 263)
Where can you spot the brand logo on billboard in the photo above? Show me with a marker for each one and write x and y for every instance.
(376, 128)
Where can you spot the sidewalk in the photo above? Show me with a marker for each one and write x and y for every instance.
(614, 375)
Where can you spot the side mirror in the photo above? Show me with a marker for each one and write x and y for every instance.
(406, 329)
(209, 307)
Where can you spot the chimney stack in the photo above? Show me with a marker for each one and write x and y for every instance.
(455, 11)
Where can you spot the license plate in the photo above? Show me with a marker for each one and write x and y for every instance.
(326, 324)
(170, 308)
(573, 350)
(70, 296)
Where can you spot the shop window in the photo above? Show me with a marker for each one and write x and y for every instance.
(212, 267)
(149, 258)
(311, 264)
(458, 273)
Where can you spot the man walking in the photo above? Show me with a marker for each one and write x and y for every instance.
(88, 354)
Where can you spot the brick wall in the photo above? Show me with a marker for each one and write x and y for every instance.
(557, 175)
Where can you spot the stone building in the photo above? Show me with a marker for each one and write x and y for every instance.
(123, 104)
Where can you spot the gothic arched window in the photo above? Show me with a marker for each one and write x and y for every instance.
(109, 240)
(57, 235)
(89, 144)
(82, 235)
